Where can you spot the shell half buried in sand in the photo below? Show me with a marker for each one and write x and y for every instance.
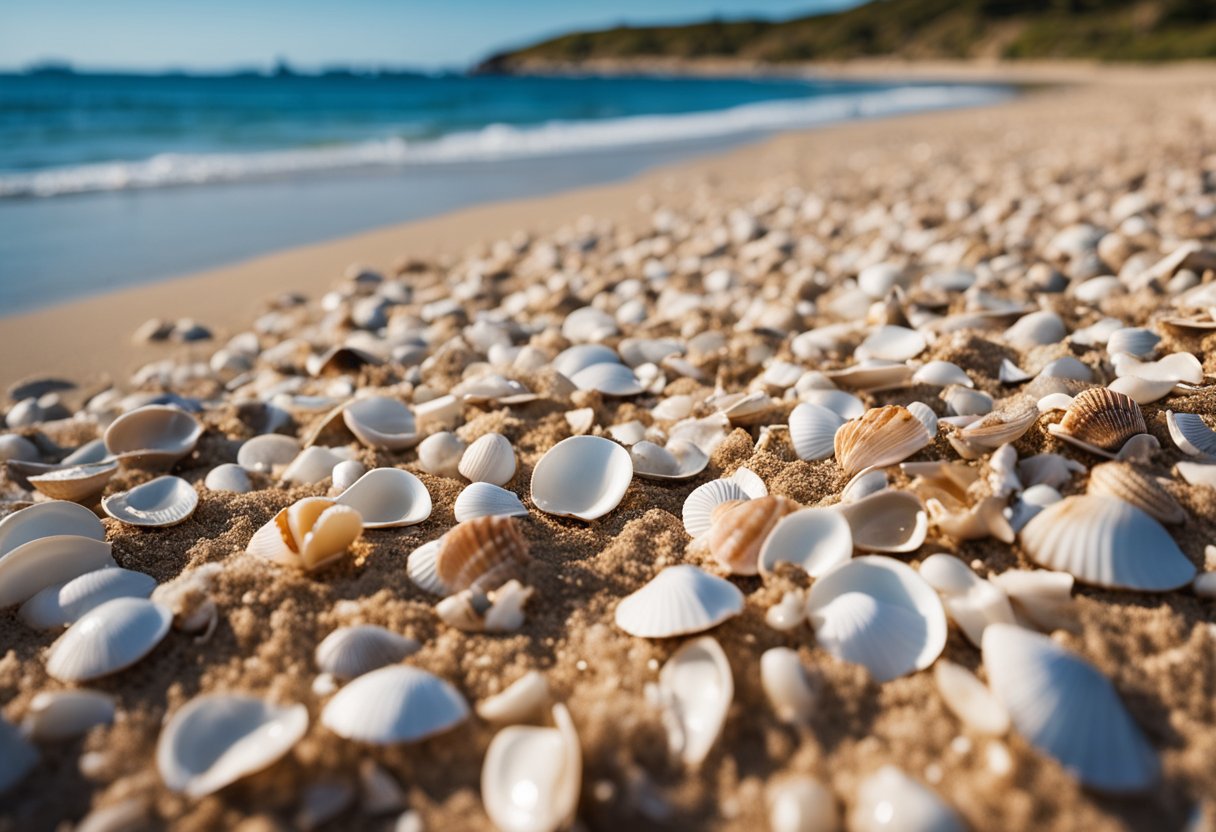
(49, 561)
(308, 534)
(107, 639)
(481, 499)
(78, 483)
(583, 477)
(531, 777)
(348, 652)
(680, 600)
(679, 460)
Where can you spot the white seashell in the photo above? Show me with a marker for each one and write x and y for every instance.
(1036, 329)
(845, 405)
(61, 604)
(707, 434)
(422, 568)
(1142, 390)
(942, 374)
(500, 610)
(1041, 599)
(781, 375)
(1133, 340)
(571, 361)
(228, 477)
(17, 449)
(877, 612)
(78, 483)
(680, 600)
(489, 459)
(801, 804)
(812, 430)
(680, 460)
(588, 324)
(164, 501)
(887, 521)
(584, 477)
(1191, 434)
(695, 689)
(17, 756)
(1067, 367)
(971, 602)
(867, 482)
(628, 433)
(1029, 503)
(963, 401)
(925, 415)
(267, 452)
(494, 388)
(381, 422)
(1106, 542)
(153, 437)
(394, 704)
(892, 343)
(1197, 473)
(889, 799)
(66, 714)
(312, 465)
(700, 504)
(531, 777)
(388, 498)
(345, 474)
(348, 652)
(872, 374)
(583, 419)
(58, 517)
(1176, 367)
(813, 539)
(970, 700)
(308, 534)
(107, 639)
(440, 454)
(787, 613)
(1011, 373)
(216, 739)
(608, 379)
(48, 561)
(481, 499)
(879, 279)
(1048, 469)
(790, 689)
(750, 482)
(441, 411)
(522, 699)
(1066, 708)
(1002, 473)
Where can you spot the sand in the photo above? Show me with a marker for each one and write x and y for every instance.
(1119, 131)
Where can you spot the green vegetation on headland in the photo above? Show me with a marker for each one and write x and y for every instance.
(1106, 30)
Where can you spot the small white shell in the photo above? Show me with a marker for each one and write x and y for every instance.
(942, 374)
(790, 689)
(308, 534)
(522, 699)
(584, 477)
(345, 474)
(971, 602)
(440, 454)
(165, 501)
(48, 561)
(788, 613)
(1011, 373)
(1067, 367)
(813, 539)
(570, 362)
(1134, 340)
(348, 652)
(700, 504)
(680, 600)
(531, 777)
(812, 430)
(889, 799)
(1048, 469)
(1175, 367)
(381, 422)
(1036, 329)
(267, 452)
(1041, 599)
(107, 639)
(216, 739)
(422, 568)
(481, 499)
(489, 459)
(58, 517)
(695, 690)
(680, 460)
(970, 700)
(153, 437)
(887, 521)
(608, 379)
(312, 465)
(387, 498)
(845, 405)
(801, 804)
(62, 604)
(17, 756)
(891, 343)
(228, 477)
(750, 482)
(1197, 473)
(1142, 390)
(1191, 434)
(395, 704)
(64, 714)
(963, 401)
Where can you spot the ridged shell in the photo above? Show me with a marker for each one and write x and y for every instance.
(891, 800)
(65, 714)
(216, 739)
(812, 431)
(267, 452)
(680, 600)
(699, 506)
(1004, 425)
(680, 460)
(17, 756)
(813, 539)
(489, 459)
(313, 465)
(1133, 485)
(970, 700)
(388, 498)
(395, 704)
(307, 534)
(738, 531)
(1133, 340)
(789, 687)
(1106, 542)
(348, 652)
(483, 553)
(153, 437)
(695, 690)
(1103, 418)
(48, 561)
(62, 604)
(422, 568)
(107, 639)
(887, 521)
(608, 379)
(881, 436)
(58, 517)
(1066, 708)
(381, 422)
(584, 477)
(481, 499)
(228, 477)
(78, 483)
(164, 501)
(531, 777)
(1191, 434)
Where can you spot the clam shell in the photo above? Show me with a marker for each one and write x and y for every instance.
(1102, 418)
(1133, 485)
(440, 454)
(395, 704)
(812, 431)
(887, 521)
(79, 483)
(388, 498)
(813, 539)
(345, 474)
(1067, 367)
(615, 380)
(216, 739)
(700, 504)
(1106, 542)
(1004, 425)
(680, 600)
(889, 799)
(45, 519)
(942, 374)
(1142, 390)
(863, 484)
(267, 452)
(308, 534)
(963, 401)
(489, 459)
(48, 561)
(872, 374)
(845, 405)
(750, 482)
(1176, 367)
(892, 343)
(107, 639)
(1191, 434)
(164, 501)
(1132, 340)
(381, 422)
(881, 436)
(1041, 599)
(1036, 329)
(481, 499)
(583, 477)
(483, 553)
(571, 361)
(789, 687)
(696, 689)
(970, 700)
(1067, 709)
(531, 777)
(348, 652)
(680, 460)
(17, 756)
(801, 804)
(228, 477)
(65, 714)
(14, 448)
(152, 437)
(61, 604)
(877, 612)
(522, 699)
(312, 465)
(738, 530)
(422, 568)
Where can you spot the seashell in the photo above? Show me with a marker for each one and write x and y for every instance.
(1048, 469)
(942, 374)
(1100, 418)
(381, 422)
(879, 279)
(489, 459)
(582, 420)
(970, 700)
(680, 600)
(588, 324)
(228, 477)
(48, 561)
(1003, 426)
(494, 388)
(78, 483)
(1197, 473)
(738, 530)
(812, 431)
(1002, 472)
(308, 534)
(872, 374)
(217, 739)
(1141, 390)
(17, 756)
(267, 452)
(887, 521)
(1011, 373)
(863, 484)
(14, 448)
(571, 361)
(925, 414)
(1041, 600)
(442, 411)
(1036, 329)
(152, 437)
(750, 482)
(312, 465)
(801, 804)
(787, 613)
(680, 460)
(481, 499)
(608, 379)
(345, 474)
(963, 401)
(59, 517)
(971, 602)
(845, 405)
(1191, 434)
(107, 639)
(475, 611)
(1029, 503)
(1067, 709)
(522, 699)
(889, 799)
(881, 436)
(65, 714)
(584, 477)
(61, 604)
(482, 553)
(422, 568)
(892, 343)
(1132, 340)
(1176, 367)
(877, 612)
(707, 434)
(628, 433)
(1132, 485)
(744, 408)
(531, 777)
(1067, 367)
(348, 652)
(395, 704)
(699, 506)
(440, 454)
(164, 501)
(789, 687)
(813, 539)
(340, 359)
(388, 498)
(1106, 542)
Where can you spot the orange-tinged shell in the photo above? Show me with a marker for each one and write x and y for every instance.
(740, 528)
(1002, 426)
(1136, 486)
(483, 553)
(1103, 418)
(880, 436)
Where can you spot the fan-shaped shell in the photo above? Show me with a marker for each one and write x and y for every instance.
(680, 600)
(267, 452)
(387, 498)
(1133, 340)
(440, 454)
(308, 534)
(481, 499)
(889, 800)
(216, 739)
(1106, 542)
(489, 459)
(422, 568)
(695, 688)
(739, 529)
(790, 689)
(381, 422)
(1191, 434)
(58, 517)
(348, 652)
(483, 553)
(531, 777)
(61, 604)
(969, 699)
(887, 521)
(1103, 418)
(48, 561)
(153, 437)
(812, 431)
(881, 436)
(1136, 486)
(1066, 708)
(395, 704)
(107, 639)
(699, 506)
(680, 460)
(164, 501)
(608, 379)
(64, 714)
(813, 539)
(78, 483)
(228, 477)
(877, 612)
(583, 477)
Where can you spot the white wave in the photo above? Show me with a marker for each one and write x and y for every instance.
(491, 143)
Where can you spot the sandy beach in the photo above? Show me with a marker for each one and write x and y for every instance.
(732, 258)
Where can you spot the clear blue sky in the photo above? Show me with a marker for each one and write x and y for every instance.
(153, 34)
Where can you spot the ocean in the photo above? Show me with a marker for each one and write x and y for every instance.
(109, 180)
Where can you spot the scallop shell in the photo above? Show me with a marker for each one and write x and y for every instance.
(1066, 708)
(789, 687)
(813, 539)
(1132, 340)
(66, 714)
(388, 498)
(522, 699)
(48, 561)
(61, 604)
(812, 431)
(107, 639)
(970, 700)
(17, 756)
(680, 600)
(308, 534)
(267, 452)
(489, 459)
(78, 483)
(881, 436)
(395, 704)
(164, 501)
(1106, 542)
(801, 804)
(531, 777)
(942, 374)
(680, 460)
(483, 553)
(738, 530)
(422, 569)
(440, 454)
(887, 521)
(348, 652)
(695, 690)
(216, 739)
(926, 416)
(381, 422)
(1191, 434)
(228, 477)
(1130, 484)
(699, 506)
(970, 601)
(877, 612)
(58, 517)
(1102, 418)
(152, 437)
(615, 380)
(481, 499)
(584, 477)
(889, 799)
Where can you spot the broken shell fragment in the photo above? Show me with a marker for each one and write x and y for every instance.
(522, 699)
(680, 600)
(970, 601)
(348, 652)
(501, 610)
(970, 700)
(890, 799)
(583, 477)
(388, 498)
(801, 804)
(308, 534)
(680, 460)
(164, 501)
(1136, 486)
(395, 704)
(1042, 600)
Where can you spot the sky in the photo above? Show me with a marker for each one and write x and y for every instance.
(159, 34)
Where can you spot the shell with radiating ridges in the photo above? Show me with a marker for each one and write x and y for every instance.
(812, 431)
(699, 506)
(308, 534)
(695, 691)
(348, 652)
(584, 477)
(381, 422)
(812, 539)
(388, 498)
(483, 553)
(489, 459)
(887, 521)
(738, 531)
(1102, 418)
(107, 639)
(164, 501)
(395, 704)
(1004, 425)
(48, 561)
(422, 568)
(1136, 486)
(531, 777)
(881, 436)
(153, 437)
(62, 604)
(1191, 434)
(481, 499)
(680, 600)
(58, 517)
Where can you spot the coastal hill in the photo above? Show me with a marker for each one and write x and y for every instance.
(1107, 30)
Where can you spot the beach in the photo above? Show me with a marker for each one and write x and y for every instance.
(770, 237)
